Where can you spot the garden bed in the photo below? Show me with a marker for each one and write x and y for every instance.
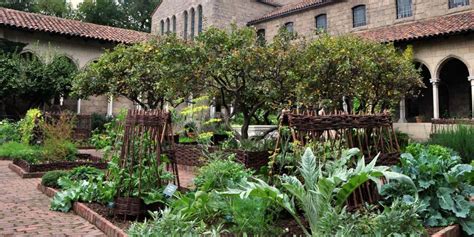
(27, 170)
(96, 214)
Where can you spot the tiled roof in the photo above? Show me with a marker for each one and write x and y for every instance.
(270, 2)
(297, 6)
(444, 25)
(49, 24)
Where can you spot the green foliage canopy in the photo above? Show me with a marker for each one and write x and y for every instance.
(149, 73)
(243, 72)
(377, 75)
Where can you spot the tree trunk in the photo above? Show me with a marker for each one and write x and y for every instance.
(244, 131)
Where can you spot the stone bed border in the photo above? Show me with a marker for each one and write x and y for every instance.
(23, 174)
(88, 214)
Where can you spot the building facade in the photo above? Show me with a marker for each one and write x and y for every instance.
(82, 43)
(440, 31)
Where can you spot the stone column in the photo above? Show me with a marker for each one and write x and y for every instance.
(471, 79)
(212, 108)
(110, 106)
(435, 82)
(79, 106)
(403, 113)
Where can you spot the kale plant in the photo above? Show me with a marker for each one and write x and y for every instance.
(443, 185)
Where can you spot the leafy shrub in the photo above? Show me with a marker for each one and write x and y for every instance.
(459, 138)
(403, 139)
(207, 211)
(27, 126)
(21, 151)
(59, 150)
(248, 144)
(98, 122)
(96, 189)
(442, 183)
(57, 143)
(50, 179)
(220, 174)
(398, 219)
(113, 130)
(84, 173)
(9, 132)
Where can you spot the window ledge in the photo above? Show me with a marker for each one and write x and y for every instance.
(404, 19)
(459, 9)
(359, 28)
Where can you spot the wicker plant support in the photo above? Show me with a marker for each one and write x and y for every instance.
(372, 134)
(191, 155)
(153, 126)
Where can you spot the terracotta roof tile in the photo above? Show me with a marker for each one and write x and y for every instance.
(43, 23)
(444, 25)
(289, 9)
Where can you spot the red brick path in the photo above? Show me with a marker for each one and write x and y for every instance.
(24, 211)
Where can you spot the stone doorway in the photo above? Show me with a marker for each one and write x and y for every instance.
(420, 107)
(454, 90)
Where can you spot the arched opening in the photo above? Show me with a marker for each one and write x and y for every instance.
(185, 25)
(454, 90)
(193, 22)
(199, 19)
(420, 107)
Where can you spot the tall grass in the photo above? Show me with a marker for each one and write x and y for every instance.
(459, 138)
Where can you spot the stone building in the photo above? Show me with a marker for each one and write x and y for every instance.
(81, 42)
(440, 31)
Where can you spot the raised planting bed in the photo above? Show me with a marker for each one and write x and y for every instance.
(448, 231)
(27, 170)
(97, 214)
(191, 155)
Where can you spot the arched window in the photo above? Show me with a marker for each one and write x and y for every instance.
(289, 26)
(162, 27)
(261, 36)
(199, 19)
(458, 3)
(359, 17)
(185, 31)
(321, 22)
(404, 8)
(174, 24)
(193, 22)
(168, 25)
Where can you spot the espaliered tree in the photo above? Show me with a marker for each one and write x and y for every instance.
(373, 76)
(244, 72)
(149, 74)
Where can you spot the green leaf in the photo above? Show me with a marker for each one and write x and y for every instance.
(445, 200)
(468, 225)
(462, 207)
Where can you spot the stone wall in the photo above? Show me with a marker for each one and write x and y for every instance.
(219, 13)
(339, 16)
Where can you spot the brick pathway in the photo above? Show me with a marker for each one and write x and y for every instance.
(24, 211)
